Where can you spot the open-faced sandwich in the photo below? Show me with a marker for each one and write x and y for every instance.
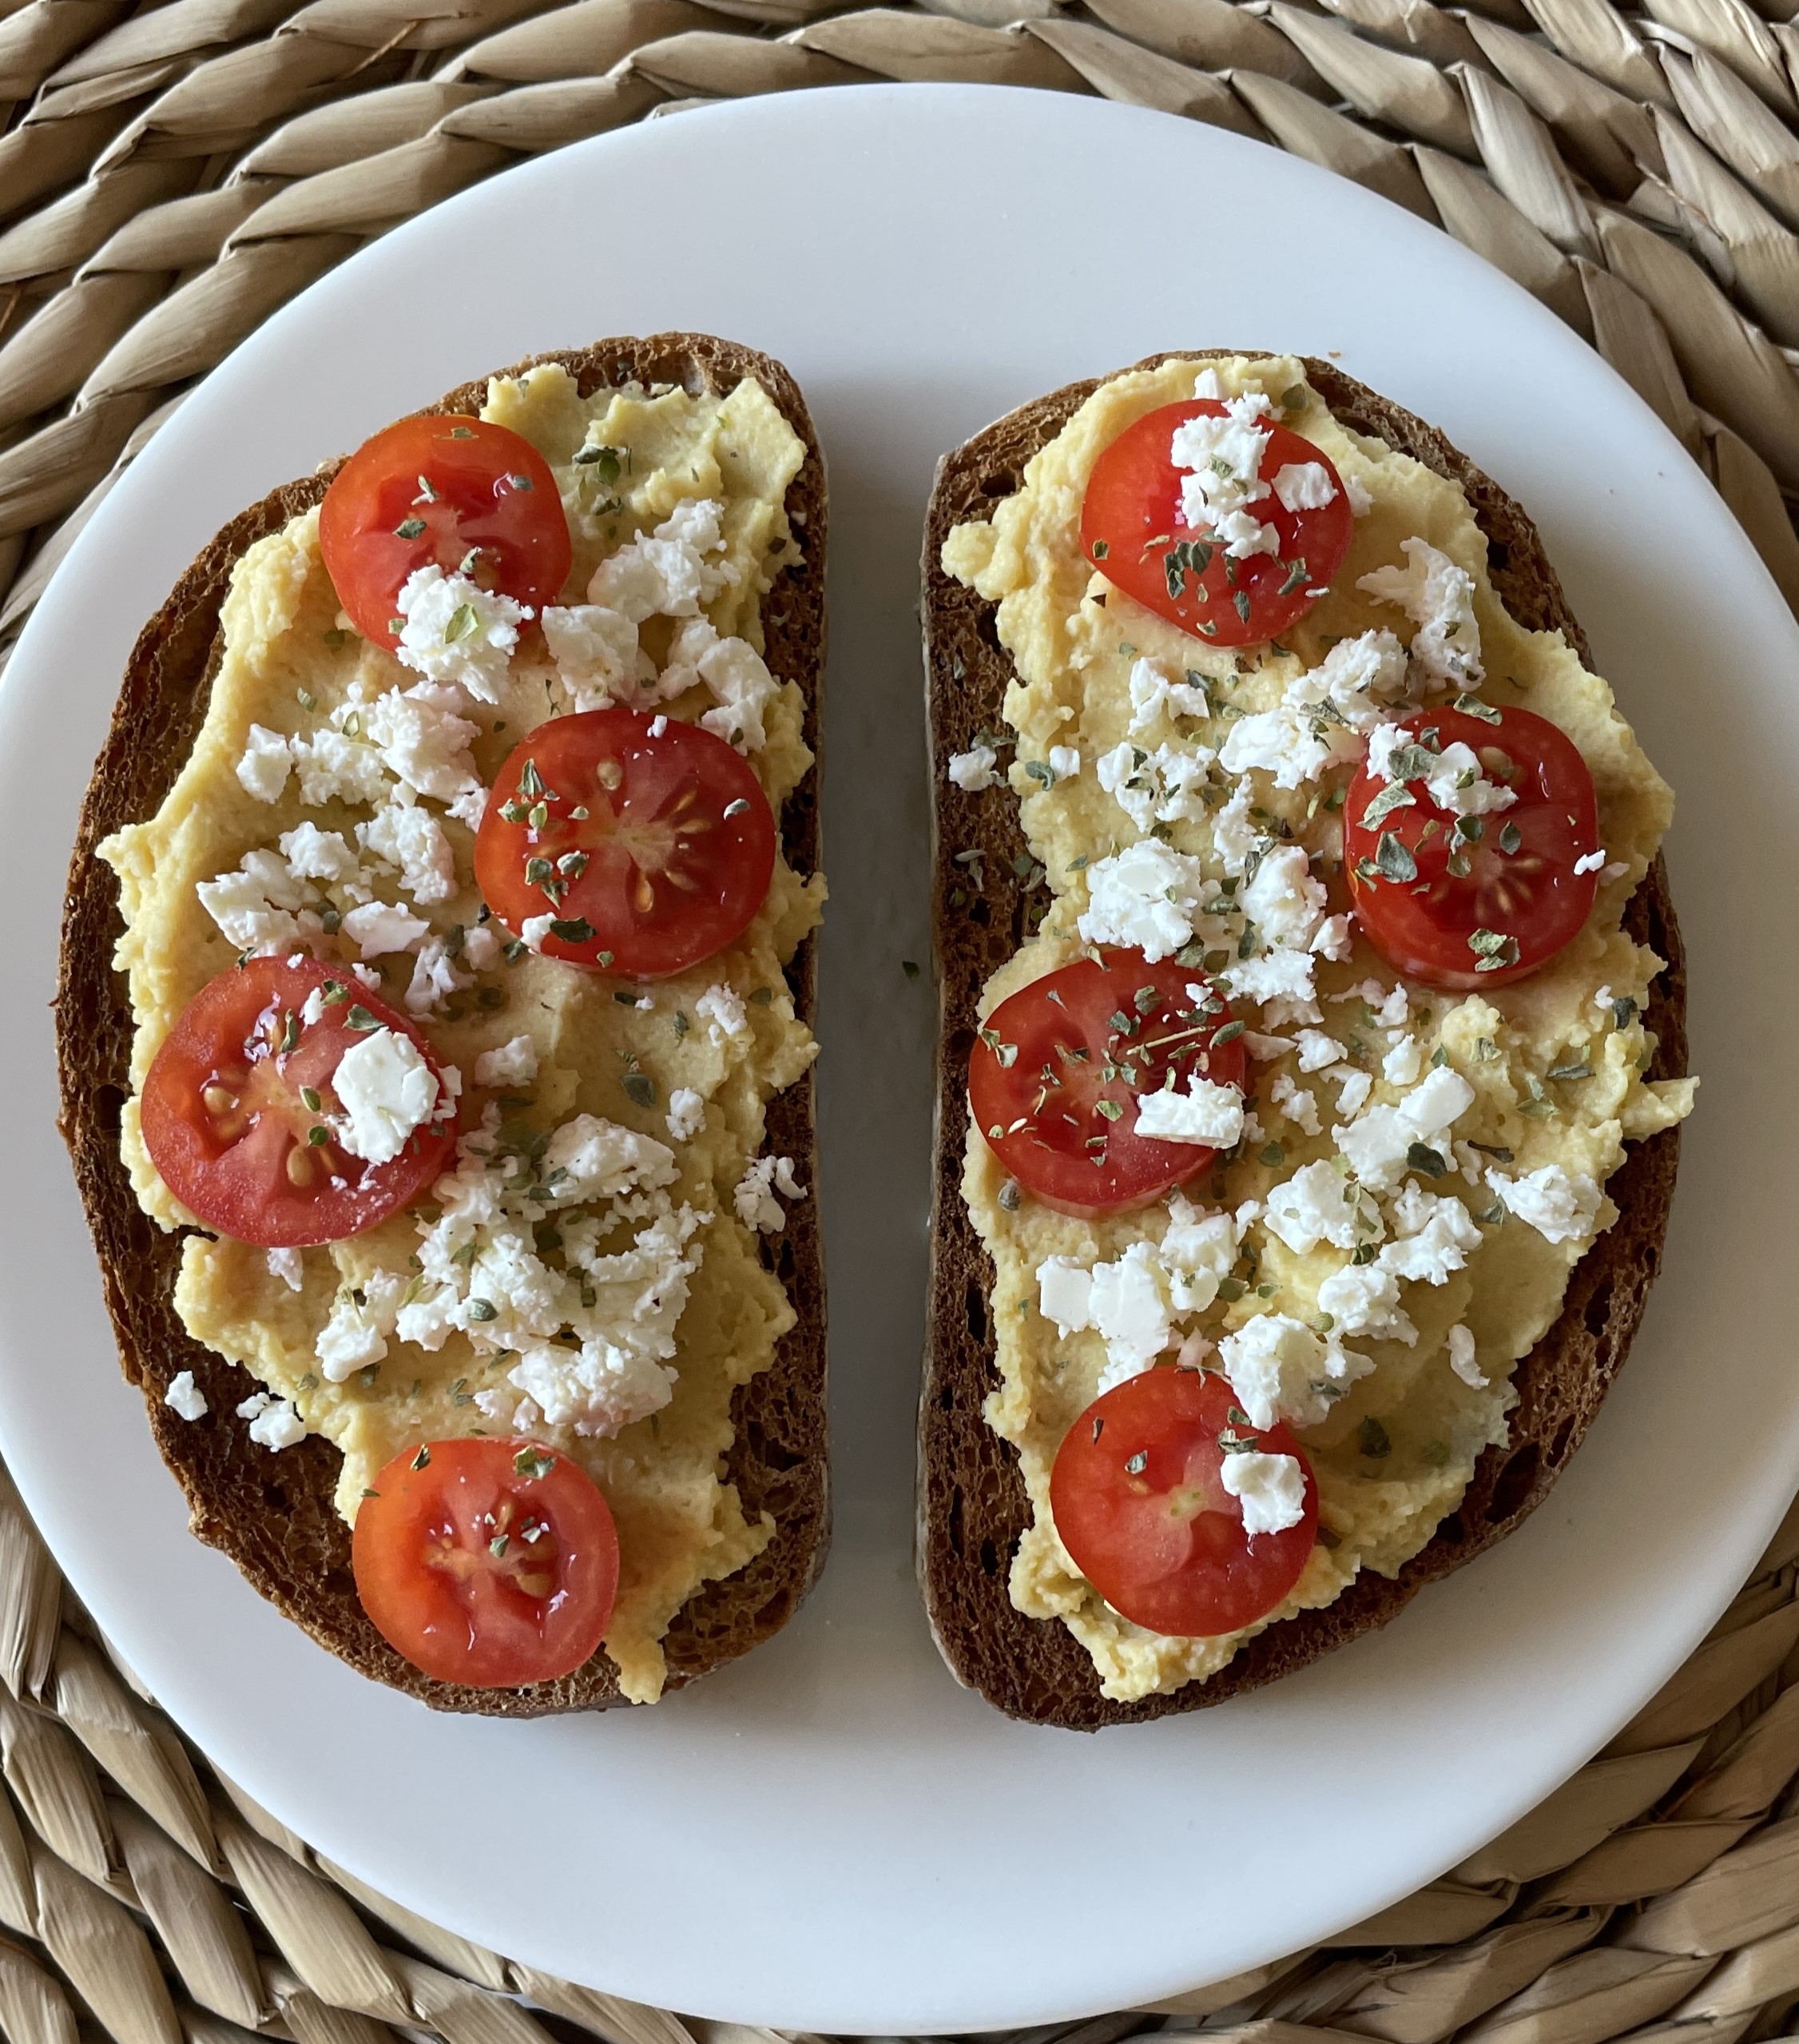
(1311, 1034)
(443, 1112)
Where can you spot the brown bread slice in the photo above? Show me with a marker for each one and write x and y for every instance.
(971, 1501)
(273, 1515)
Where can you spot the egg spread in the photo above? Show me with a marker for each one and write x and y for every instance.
(588, 1270)
(1418, 1170)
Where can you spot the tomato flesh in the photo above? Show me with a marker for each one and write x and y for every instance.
(1140, 1507)
(1131, 531)
(468, 497)
(1054, 1077)
(1478, 902)
(230, 1106)
(491, 1563)
(651, 850)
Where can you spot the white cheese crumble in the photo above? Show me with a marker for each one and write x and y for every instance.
(686, 1114)
(595, 650)
(1153, 695)
(1281, 980)
(1593, 862)
(735, 674)
(1294, 746)
(1438, 597)
(1143, 896)
(1560, 1206)
(667, 573)
(972, 771)
(456, 630)
(1207, 1113)
(274, 1424)
(254, 906)
(721, 1008)
(266, 764)
(184, 1398)
(1163, 785)
(325, 855)
(1222, 456)
(1063, 761)
(1319, 1204)
(1280, 1369)
(1379, 1142)
(286, 1265)
(1461, 1359)
(513, 1063)
(1270, 1488)
(534, 930)
(754, 1199)
(379, 929)
(411, 839)
(387, 1090)
(1283, 901)
(419, 735)
(1295, 1102)
(1358, 678)
(1304, 486)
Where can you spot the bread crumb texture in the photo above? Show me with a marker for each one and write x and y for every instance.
(1095, 672)
(646, 1256)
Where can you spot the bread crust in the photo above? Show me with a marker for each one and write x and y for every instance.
(273, 1515)
(972, 1505)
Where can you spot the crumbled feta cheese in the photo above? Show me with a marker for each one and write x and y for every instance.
(1288, 743)
(533, 930)
(1352, 1089)
(667, 573)
(596, 1389)
(1279, 979)
(1295, 1102)
(1591, 863)
(1280, 1369)
(286, 1265)
(1065, 1294)
(513, 1063)
(1197, 1254)
(1361, 502)
(721, 1008)
(1317, 1051)
(315, 854)
(381, 927)
(1130, 1311)
(184, 1398)
(588, 1159)
(1335, 939)
(1456, 783)
(274, 1424)
(1163, 785)
(1283, 901)
(1378, 1143)
(480, 948)
(1064, 762)
(1271, 1488)
(1319, 1204)
(1304, 486)
(255, 905)
(1222, 456)
(1153, 695)
(1363, 1298)
(1403, 1062)
(1393, 1010)
(1261, 1048)
(1438, 596)
(1355, 679)
(754, 1198)
(687, 1113)
(1144, 896)
(436, 975)
(335, 767)
(1206, 1112)
(1383, 741)
(388, 1090)
(735, 673)
(973, 770)
(1234, 833)
(1435, 1235)
(457, 631)
(1561, 1207)
(412, 840)
(1461, 1359)
(595, 650)
(266, 764)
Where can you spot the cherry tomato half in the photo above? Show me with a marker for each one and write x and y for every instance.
(236, 1108)
(1054, 1077)
(469, 497)
(1131, 531)
(1139, 1505)
(1475, 901)
(651, 850)
(494, 1563)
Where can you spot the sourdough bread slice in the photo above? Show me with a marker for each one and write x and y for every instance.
(972, 1506)
(274, 1516)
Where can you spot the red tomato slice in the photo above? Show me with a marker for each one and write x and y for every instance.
(652, 852)
(1131, 531)
(1479, 901)
(1054, 1080)
(470, 497)
(232, 1101)
(1139, 1505)
(493, 1563)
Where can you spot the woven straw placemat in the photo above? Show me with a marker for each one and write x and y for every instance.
(170, 174)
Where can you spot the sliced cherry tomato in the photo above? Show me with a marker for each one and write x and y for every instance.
(650, 849)
(492, 1563)
(1475, 901)
(236, 1108)
(1053, 1081)
(471, 498)
(1139, 1505)
(1131, 531)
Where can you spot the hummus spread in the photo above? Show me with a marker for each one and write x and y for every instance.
(329, 782)
(1552, 1064)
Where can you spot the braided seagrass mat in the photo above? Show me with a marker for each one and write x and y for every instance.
(172, 171)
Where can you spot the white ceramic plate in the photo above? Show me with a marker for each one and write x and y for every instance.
(831, 1835)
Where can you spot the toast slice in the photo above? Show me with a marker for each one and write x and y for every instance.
(274, 1517)
(972, 1505)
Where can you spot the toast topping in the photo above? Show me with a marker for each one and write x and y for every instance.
(1420, 1165)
